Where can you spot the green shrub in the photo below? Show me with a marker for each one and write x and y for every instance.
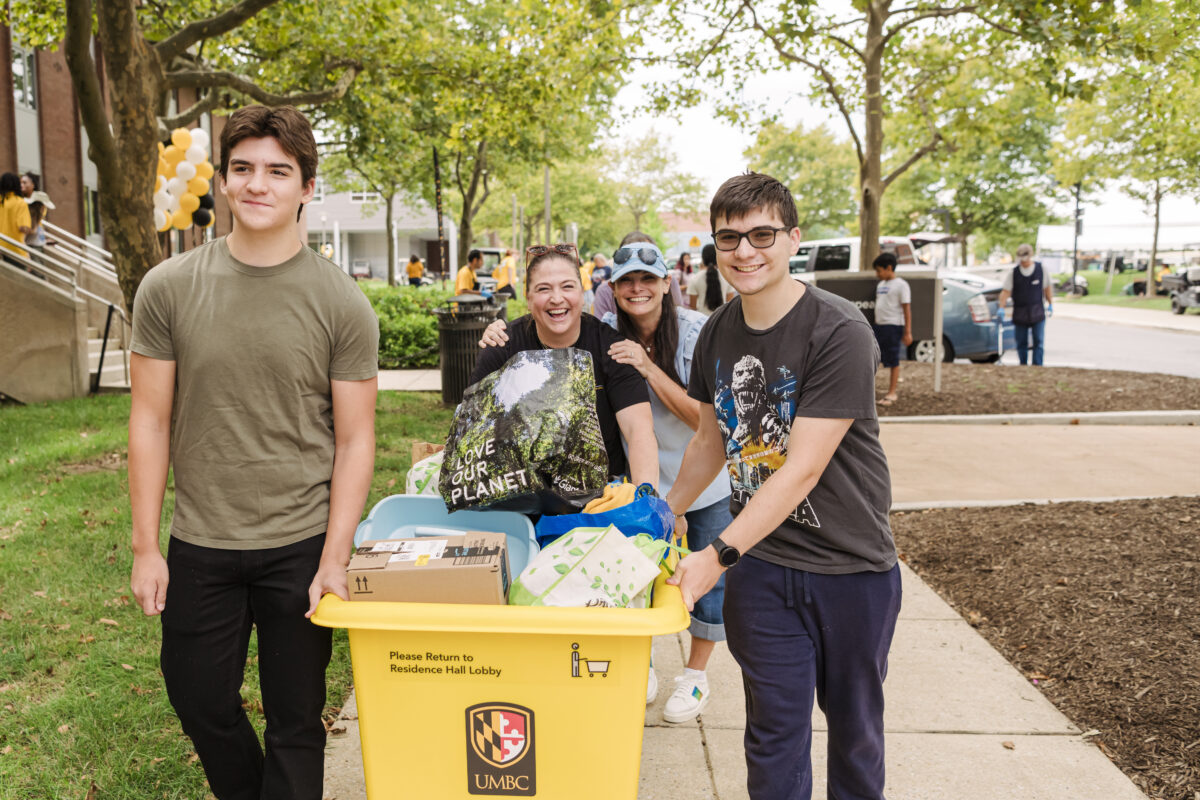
(408, 328)
(408, 331)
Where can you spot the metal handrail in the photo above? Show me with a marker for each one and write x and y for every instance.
(76, 253)
(83, 243)
(48, 266)
(45, 267)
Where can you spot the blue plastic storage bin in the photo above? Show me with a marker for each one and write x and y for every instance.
(402, 516)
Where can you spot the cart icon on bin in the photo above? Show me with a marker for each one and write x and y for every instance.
(594, 666)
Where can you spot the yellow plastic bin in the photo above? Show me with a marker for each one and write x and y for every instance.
(460, 701)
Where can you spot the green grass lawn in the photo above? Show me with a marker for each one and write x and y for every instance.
(83, 712)
(1098, 281)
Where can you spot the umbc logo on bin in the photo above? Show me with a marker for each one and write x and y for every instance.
(500, 750)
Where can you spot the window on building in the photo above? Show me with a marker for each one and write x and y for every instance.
(318, 192)
(24, 69)
(363, 196)
(91, 212)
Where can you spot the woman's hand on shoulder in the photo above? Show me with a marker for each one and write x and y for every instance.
(631, 353)
(494, 335)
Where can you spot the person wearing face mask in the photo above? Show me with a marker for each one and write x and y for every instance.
(554, 294)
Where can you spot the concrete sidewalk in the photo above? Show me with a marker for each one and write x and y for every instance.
(961, 721)
(1124, 315)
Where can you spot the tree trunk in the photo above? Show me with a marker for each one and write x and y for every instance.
(469, 206)
(1158, 196)
(125, 155)
(870, 175)
(391, 240)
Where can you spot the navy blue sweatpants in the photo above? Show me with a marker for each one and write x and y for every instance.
(793, 632)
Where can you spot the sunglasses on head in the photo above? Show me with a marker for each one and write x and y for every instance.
(646, 255)
(565, 249)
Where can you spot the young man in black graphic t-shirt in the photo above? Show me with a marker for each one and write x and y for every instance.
(785, 377)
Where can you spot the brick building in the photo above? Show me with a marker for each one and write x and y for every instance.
(41, 132)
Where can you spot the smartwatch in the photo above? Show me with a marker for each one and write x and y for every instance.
(727, 556)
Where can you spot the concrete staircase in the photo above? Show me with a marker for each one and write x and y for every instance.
(53, 306)
(115, 375)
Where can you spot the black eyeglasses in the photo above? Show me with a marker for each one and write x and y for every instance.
(646, 255)
(566, 249)
(760, 238)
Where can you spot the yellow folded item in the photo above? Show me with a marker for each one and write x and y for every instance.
(615, 495)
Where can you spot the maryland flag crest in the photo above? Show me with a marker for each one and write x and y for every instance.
(500, 749)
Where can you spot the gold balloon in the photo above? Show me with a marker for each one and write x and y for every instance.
(189, 202)
(181, 138)
(181, 219)
(166, 226)
(198, 186)
(174, 155)
(204, 170)
(164, 168)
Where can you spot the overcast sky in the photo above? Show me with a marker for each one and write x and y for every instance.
(712, 149)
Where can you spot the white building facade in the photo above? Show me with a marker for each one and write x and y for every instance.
(350, 228)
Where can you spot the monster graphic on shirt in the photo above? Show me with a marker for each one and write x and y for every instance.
(755, 414)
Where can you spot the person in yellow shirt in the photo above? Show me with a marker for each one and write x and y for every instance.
(465, 283)
(15, 220)
(585, 272)
(415, 270)
(505, 274)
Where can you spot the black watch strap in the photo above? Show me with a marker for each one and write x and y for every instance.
(727, 555)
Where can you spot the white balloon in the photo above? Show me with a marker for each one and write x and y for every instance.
(160, 183)
(195, 154)
(199, 138)
(160, 218)
(177, 186)
(185, 170)
(173, 204)
(162, 199)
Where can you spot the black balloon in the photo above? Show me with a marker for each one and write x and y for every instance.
(206, 200)
(201, 217)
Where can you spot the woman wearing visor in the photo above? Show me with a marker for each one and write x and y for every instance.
(660, 337)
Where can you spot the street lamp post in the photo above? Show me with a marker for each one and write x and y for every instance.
(1078, 230)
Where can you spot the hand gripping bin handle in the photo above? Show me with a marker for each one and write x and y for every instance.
(467, 701)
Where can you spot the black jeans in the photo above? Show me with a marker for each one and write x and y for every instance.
(213, 599)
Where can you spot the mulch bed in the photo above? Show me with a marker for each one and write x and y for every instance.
(1096, 603)
(996, 389)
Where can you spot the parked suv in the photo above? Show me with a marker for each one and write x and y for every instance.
(820, 255)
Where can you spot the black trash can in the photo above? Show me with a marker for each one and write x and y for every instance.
(460, 325)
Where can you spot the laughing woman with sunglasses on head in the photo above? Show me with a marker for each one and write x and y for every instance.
(554, 293)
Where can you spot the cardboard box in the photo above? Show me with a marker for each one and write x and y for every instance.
(450, 567)
(423, 450)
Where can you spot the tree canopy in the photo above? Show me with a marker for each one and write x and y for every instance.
(870, 61)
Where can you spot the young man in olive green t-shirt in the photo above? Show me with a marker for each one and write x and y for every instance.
(254, 376)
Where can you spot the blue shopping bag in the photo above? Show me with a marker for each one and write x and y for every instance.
(648, 514)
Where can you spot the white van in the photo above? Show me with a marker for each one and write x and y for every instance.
(819, 255)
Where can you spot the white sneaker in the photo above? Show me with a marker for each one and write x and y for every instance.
(689, 699)
(651, 686)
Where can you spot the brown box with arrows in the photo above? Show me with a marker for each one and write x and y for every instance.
(446, 567)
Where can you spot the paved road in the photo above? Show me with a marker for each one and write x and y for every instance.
(1076, 343)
